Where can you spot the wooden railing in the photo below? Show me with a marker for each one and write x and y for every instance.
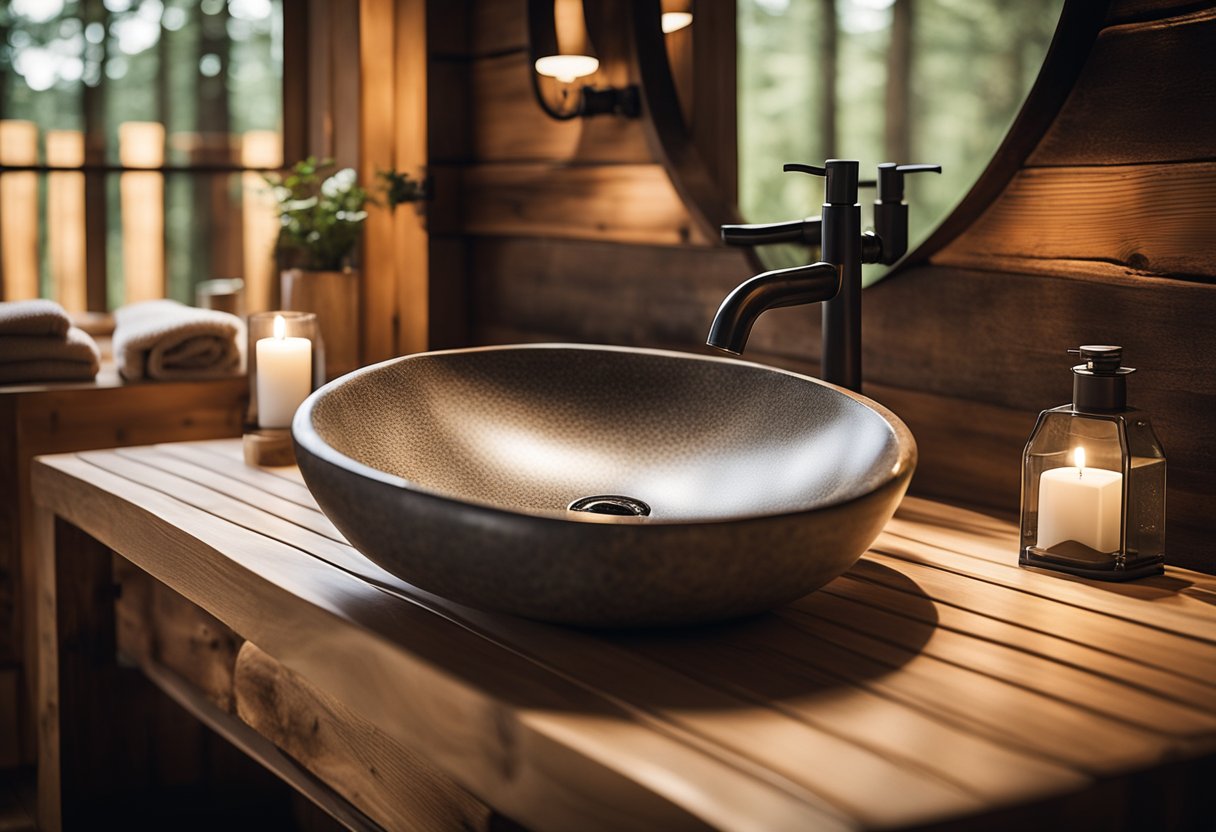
(51, 236)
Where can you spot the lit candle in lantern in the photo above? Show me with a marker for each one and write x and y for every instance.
(1081, 504)
(284, 376)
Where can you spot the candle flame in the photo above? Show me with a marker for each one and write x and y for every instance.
(280, 328)
(1078, 459)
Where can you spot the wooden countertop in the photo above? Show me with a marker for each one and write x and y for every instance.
(936, 680)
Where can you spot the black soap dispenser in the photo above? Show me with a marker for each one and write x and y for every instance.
(1093, 480)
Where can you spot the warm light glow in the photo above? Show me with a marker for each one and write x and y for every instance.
(280, 328)
(675, 21)
(1078, 459)
(567, 68)
(259, 217)
(65, 231)
(19, 222)
(141, 144)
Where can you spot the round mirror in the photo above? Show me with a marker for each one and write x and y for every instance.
(934, 81)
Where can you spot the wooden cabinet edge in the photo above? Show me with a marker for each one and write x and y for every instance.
(395, 786)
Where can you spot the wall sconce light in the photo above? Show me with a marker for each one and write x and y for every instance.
(675, 21)
(675, 15)
(558, 48)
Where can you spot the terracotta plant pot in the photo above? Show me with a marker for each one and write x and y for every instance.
(334, 297)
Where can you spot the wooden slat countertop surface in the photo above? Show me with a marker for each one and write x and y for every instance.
(936, 680)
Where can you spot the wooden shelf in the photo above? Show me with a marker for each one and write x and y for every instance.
(934, 682)
(42, 418)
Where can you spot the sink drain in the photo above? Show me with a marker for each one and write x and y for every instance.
(611, 504)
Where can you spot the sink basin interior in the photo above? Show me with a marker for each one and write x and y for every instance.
(531, 430)
(729, 488)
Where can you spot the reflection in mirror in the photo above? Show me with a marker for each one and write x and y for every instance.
(878, 80)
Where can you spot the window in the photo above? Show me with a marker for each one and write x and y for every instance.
(132, 133)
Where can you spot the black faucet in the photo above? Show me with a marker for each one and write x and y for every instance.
(836, 280)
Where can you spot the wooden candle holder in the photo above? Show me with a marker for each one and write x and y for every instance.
(269, 446)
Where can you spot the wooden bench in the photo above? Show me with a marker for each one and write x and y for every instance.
(935, 683)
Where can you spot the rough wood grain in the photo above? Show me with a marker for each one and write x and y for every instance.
(628, 203)
(392, 785)
(906, 672)
(1129, 106)
(508, 125)
(1153, 219)
(178, 647)
(812, 745)
(1016, 634)
(194, 645)
(1009, 604)
(243, 749)
(647, 294)
(454, 721)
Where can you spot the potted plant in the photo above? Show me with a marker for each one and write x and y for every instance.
(321, 215)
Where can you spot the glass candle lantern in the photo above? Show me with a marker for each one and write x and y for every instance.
(1093, 480)
(283, 367)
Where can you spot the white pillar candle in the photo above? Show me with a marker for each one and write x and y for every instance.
(1081, 504)
(284, 370)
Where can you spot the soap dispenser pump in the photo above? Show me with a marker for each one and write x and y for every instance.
(1093, 480)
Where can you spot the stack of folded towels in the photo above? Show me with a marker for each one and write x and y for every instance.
(166, 340)
(39, 343)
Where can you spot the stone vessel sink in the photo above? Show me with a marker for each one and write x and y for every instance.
(456, 471)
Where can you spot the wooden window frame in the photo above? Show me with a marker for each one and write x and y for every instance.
(299, 41)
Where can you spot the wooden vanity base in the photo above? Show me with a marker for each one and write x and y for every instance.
(934, 683)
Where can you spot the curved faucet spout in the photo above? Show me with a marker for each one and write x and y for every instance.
(781, 287)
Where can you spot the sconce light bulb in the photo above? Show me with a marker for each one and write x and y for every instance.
(675, 21)
(567, 68)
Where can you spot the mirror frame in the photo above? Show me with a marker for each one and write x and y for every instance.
(672, 143)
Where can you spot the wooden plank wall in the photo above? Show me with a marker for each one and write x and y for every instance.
(527, 197)
(533, 201)
(1105, 236)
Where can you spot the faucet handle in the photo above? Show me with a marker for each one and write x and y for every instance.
(841, 175)
(890, 210)
(804, 231)
(799, 167)
(891, 179)
(814, 170)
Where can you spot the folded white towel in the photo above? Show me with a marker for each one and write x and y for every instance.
(72, 357)
(33, 317)
(163, 339)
